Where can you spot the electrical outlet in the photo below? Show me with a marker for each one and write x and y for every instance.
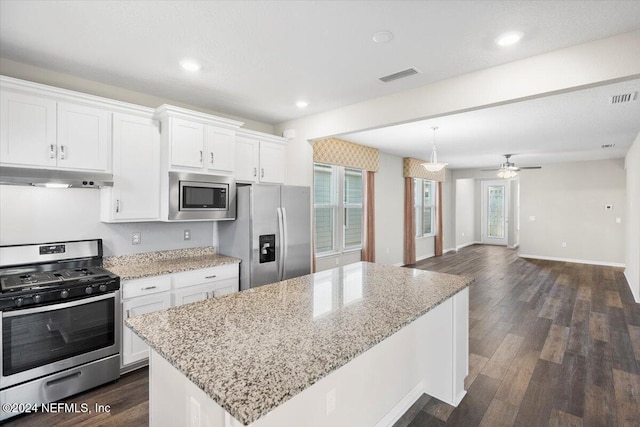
(331, 401)
(564, 244)
(618, 220)
(532, 218)
(463, 234)
(387, 250)
(187, 234)
(136, 238)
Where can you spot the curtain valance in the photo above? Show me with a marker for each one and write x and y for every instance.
(334, 151)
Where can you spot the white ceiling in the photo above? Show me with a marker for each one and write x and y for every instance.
(567, 127)
(260, 57)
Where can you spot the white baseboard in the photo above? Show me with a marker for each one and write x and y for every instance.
(576, 261)
(398, 264)
(424, 257)
(403, 406)
(514, 246)
(464, 245)
(446, 251)
(636, 294)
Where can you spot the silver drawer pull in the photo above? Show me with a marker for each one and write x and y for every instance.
(148, 287)
(211, 277)
(128, 313)
(63, 379)
(255, 172)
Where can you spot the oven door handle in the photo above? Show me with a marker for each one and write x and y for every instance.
(59, 306)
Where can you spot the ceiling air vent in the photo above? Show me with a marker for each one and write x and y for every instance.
(607, 145)
(399, 75)
(625, 97)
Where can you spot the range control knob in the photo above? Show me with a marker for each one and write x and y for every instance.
(64, 294)
(88, 290)
(37, 299)
(103, 288)
(18, 302)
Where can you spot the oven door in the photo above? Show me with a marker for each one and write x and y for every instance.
(43, 340)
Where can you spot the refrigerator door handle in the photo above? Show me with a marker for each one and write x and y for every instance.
(284, 243)
(281, 236)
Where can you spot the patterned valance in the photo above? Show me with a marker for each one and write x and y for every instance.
(412, 168)
(334, 151)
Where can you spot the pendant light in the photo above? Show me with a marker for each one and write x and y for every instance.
(432, 165)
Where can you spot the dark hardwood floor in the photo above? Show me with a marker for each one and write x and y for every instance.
(551, 344)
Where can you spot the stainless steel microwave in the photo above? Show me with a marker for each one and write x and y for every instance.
(201, 197)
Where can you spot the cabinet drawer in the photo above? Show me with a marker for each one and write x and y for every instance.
(225, 287)
(152, 285)
(204, 275)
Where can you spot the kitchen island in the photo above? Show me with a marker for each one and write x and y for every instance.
(356, 345)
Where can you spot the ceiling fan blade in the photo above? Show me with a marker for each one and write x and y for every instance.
(530, 167)
(489, 170)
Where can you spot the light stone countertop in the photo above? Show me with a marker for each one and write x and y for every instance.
(137, 266)
(254, 350)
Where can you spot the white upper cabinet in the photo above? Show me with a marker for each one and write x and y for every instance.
(83, 137)
(247, 159)
(27, 129)
(260, 157)
(135, 195)
(187, 144)
(43, 130)
(197, 142)
(220, 149)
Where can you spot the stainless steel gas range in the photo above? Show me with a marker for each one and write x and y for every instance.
(60, 328)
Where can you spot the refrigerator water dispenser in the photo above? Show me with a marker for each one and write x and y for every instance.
(267, 248)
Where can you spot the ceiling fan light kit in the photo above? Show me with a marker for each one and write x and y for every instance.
(509, 170)
(432, 165)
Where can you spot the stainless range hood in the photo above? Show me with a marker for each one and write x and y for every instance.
(54, 178)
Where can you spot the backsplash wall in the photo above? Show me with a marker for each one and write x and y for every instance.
(38, 215)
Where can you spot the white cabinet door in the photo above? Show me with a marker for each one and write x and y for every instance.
(84, 136)
(135, 195)
(221, 154)
(192, 294)
(27, 130)
(187, 144)
(272, 162)
(225, 287)
(247, 159)
(133, 348)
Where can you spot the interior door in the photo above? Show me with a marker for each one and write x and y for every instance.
(495, 211)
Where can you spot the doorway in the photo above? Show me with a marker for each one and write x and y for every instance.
(495, 211)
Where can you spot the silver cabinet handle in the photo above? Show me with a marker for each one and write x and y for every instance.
(211, 157)
(255, 172)
(207, 294)
(262, 173)
(62, 152)
(146, 288)
(210, 277)
(52, 151)
(117, 206)
(200, 156)
(128, 313)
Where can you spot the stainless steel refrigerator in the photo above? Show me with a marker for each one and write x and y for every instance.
(271, 233)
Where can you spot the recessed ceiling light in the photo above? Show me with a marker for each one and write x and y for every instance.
(509, 39)
(190, 65)
(302, 104)
(383, 37)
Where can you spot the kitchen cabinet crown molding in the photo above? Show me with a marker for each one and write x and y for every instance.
(252, 134)
(166, 111)
(59, 94)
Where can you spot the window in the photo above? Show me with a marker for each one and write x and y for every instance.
(337, 195)
(424, 203)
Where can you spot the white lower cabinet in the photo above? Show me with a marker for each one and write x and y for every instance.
(147, 295)
(133, 348)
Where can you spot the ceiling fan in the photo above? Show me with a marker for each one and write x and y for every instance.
(508, 169)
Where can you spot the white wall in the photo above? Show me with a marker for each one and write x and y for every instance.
(632, 254)
(465, 212)
(568, 202)
(39, 215)
(389, 210)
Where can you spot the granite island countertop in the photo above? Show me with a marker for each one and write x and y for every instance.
(137, 266)
(254, 350)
